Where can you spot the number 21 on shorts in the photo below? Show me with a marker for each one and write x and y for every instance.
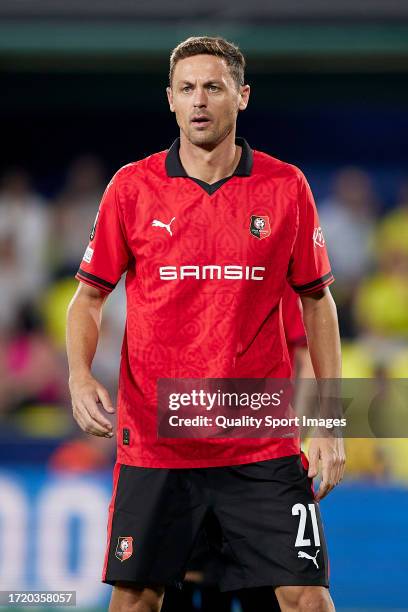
(301, 509)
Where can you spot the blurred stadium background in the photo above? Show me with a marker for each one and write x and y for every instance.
(82, 93)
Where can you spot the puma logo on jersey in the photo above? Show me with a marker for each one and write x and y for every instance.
(318, 237)
(157, 223)
(305, 555)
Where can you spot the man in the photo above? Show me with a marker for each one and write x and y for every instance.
(204, 301)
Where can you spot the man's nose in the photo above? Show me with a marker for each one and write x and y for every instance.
(200, 97)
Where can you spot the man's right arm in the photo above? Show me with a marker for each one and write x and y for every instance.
(84, 318)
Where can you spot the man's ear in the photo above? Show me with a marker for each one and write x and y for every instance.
(170, 98)
(245, 90)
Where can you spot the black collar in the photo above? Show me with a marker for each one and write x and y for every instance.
(244, 168)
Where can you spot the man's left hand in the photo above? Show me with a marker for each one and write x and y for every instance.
(330, 452)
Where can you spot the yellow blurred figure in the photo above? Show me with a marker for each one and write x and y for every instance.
(395, 452)
(398, 368)
(382, 305)
(357, 361)
(364, 455)
(365, 458)
(54, 307)
(392, 234)
(396, 449)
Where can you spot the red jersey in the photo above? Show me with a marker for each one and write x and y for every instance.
(207, 266)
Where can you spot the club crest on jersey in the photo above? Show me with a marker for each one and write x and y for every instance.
(260, 226)
(124, 548)
(92, 234)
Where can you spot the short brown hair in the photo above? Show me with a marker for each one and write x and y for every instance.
(208, 45)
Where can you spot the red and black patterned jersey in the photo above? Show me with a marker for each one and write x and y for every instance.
(206, 268)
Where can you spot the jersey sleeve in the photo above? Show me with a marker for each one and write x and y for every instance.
(107, 255)
(309, 267)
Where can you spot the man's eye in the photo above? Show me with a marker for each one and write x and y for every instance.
(187, 88)
(213, 88)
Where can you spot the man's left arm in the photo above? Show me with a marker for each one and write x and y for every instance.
(322, 330)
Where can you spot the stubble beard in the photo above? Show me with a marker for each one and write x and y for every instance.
(208, 139)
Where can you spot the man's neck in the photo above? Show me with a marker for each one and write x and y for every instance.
(210, 166)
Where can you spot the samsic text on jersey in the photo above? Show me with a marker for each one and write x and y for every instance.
(206, 270)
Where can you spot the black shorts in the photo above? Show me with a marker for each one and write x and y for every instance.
(260, 520)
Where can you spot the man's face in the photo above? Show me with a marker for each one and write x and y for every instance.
(206, 99)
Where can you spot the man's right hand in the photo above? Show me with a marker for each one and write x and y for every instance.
(86, 394)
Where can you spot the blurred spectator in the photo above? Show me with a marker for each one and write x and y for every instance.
(398, 367)
(348, 220)
(369, 457)
(365, 459)
(395, 451)
(381, 306)
(382, 302)
(106, 363)
(392, 233)
(54, 304)
(75, 212)
(357, 360)
(24, 233)
(31, 370)
(12, 286)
